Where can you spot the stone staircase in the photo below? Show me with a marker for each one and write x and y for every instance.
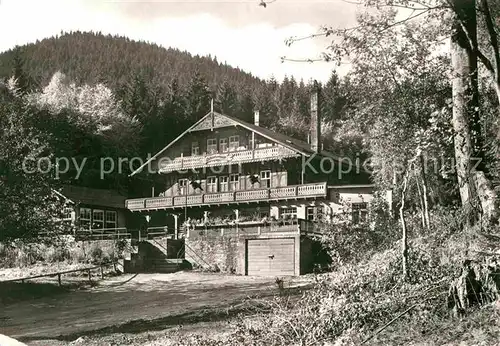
(155, 256)
(166, 265)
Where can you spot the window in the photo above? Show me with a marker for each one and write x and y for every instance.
(359, 213)
(67, 214)
(110, 219)
(223, 145)
(211, 146)
(212, 184)
(310, 213)
(224, 186)
(182, 186)
(85, 217)
(234, 143)
(265, 179)
(195, 149)
(234, 182)
(98, 219)
(314, 213)
(289, 213)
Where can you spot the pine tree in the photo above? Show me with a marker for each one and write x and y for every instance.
(226, 99)
(198, 98)
(19, 75)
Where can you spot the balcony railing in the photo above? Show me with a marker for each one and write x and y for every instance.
(228, 158)
(275, 193)
(243, 229)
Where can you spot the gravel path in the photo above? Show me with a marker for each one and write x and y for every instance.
(132, 303)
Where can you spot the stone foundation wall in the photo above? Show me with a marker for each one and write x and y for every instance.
(225, 254)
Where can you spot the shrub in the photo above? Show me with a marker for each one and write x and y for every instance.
(97, 255)
(366, 291)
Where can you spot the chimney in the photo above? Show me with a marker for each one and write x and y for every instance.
(315, 131)
(256, 118)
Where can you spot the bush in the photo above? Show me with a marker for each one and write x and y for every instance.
(347, 243)
(366, 291)
(61, 249)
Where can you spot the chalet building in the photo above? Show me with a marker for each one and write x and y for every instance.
(229, 178)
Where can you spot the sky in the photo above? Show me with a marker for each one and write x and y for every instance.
(239, 32)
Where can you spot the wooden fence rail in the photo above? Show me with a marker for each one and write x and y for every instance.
(59, 274)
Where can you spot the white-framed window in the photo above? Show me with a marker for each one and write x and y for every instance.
(310, 213)
(265, 179)
(211, 146)
(234, 182)
(314, 213)
(234, 143)
(359, 212)
(67, 214)
(195, 148)
(97, 219)
(110, 219)
(224, 183)
(288, 213)
(223, 145)
(212, 184)
(85, 217)
(182, 186)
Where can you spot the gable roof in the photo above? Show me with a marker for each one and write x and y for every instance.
(90, 196)
(294, 144)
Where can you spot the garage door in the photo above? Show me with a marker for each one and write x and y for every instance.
(270, 257)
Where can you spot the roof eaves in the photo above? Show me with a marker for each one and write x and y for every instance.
(256, 128)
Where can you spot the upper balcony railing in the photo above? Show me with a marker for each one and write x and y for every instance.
(226, 158)
(275, 193)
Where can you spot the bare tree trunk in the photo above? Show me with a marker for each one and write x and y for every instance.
(465, 100)
(494, 69)
(425, 193)
(404, 239)
(421, 202)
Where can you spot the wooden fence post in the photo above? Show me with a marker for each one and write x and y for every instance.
(59, 279)
(102, 272)
(90, 276)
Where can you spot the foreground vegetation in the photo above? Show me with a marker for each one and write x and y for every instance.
(362, 301)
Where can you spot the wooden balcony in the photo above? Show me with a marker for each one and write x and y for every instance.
(221, 159)
(315, 190)
(252, 228)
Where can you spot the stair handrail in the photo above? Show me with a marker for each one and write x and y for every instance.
(196, 254)
(160, 245)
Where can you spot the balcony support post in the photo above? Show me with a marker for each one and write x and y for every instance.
(176, 225)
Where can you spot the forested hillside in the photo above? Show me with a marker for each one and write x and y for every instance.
(166, 89)
(91, 57)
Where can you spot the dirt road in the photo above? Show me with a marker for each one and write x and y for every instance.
(130, 303)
